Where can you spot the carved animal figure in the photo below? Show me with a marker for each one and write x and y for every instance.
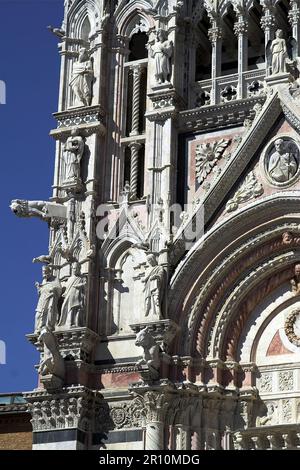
(152, 351)
(53, 363)
(23, 208)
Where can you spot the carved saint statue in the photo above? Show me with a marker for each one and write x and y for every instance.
(283, 163)
(72, 311)
(295, 282)
(155, 283)
(82, 79)
(279, 53)
(73, 153)
(162, 52)
(49, 291)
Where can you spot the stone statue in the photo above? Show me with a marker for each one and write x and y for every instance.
(283, 163)
(271, 417)
(49, 292)
(155, 283)
(52, 365)
(162, 52)
(279, 53)
(82, 79)
(152, 352)
(72, 311)
(73, 153)
(295, 282)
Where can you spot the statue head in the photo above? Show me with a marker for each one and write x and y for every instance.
(279, 33)
(47, 272)
(297, 271)
(76, 269)
(161, 35)
(287, 238)
(19, 207)
(74, 132)
(144, 338)
(279, 145)
(151, 259)
(83, 54)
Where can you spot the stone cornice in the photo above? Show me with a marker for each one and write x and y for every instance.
(224, 115)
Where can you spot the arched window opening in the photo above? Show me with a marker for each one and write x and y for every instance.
(256, 38)
(86, 29)
(137, 47)
(229, 44)
(204, 50)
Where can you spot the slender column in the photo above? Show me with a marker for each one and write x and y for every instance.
(294, 18)
(196, 440)
(268, 25)
(137, 72)
(241, 31)
(155, 436)
(215, 36)
(134, 169)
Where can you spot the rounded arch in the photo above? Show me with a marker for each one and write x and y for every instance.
(227, 253)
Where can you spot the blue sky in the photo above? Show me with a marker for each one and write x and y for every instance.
(29, 65)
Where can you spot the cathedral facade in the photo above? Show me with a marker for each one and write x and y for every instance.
(168, 311)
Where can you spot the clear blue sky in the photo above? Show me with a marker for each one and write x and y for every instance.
(29, 64)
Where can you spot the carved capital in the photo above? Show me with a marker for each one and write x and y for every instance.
(241, 28)
(215, 34)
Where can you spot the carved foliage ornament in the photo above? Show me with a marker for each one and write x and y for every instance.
(291, 327)
(250, 189)
(207, 156)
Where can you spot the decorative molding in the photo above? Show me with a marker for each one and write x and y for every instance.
(289, 327)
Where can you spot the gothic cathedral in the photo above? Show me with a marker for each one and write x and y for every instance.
(168, 309)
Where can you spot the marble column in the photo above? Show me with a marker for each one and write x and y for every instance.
(268, 25)
(155, 435)
(136, 85)
(241, 31)
(215, 36)
(134, 168)
(294, 18)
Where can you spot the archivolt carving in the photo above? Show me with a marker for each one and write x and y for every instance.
(246, 220)
(231, 305)
(261, 291)
(266, 246)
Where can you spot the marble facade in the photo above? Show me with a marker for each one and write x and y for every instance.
(174, 230)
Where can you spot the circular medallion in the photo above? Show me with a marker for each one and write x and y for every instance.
(282, 161)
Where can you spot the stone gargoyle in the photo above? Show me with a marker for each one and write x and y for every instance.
(41, 209)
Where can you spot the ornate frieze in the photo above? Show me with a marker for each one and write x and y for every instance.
(73, 407)
(88, 119)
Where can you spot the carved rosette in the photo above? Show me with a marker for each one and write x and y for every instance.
(207, 156)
